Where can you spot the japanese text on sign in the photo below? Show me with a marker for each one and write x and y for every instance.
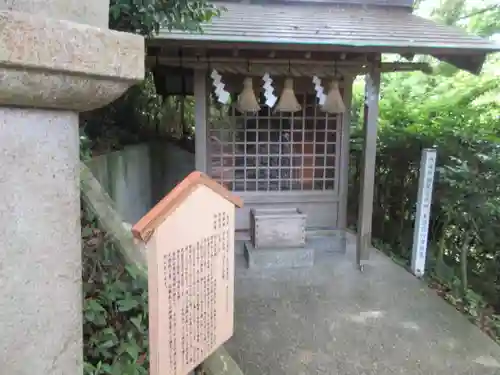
(190, 277)
(424, 201)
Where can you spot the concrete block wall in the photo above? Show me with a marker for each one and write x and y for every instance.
(138, 176)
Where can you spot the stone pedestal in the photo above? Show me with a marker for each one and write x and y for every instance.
(63, 67)
(281, 257)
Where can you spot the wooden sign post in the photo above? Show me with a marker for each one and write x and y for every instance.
(424, 201)
(189, 239)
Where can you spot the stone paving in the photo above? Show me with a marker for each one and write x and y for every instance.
(332, 319)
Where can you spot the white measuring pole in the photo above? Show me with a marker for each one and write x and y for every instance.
(424, 201)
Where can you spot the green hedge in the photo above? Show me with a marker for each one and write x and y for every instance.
(460, 117)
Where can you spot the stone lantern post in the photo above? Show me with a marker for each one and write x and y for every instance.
(57, 58)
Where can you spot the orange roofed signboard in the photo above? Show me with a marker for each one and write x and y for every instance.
(189, 239)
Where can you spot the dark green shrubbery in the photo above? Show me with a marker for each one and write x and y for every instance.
(115, 330)
(460, 116)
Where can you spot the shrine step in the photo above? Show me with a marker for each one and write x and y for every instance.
(291, 257)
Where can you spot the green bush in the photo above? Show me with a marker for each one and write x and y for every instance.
(460, 117)
(115, 330)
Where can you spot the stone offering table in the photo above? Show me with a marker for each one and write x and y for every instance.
(278, 239)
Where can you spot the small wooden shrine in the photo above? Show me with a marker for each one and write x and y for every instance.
(189, 241)
(272, 83)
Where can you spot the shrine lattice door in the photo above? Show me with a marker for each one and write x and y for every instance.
(275, 159)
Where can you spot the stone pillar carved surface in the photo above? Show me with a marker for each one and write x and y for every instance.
(57, 58)
(90, 12)
(49, 63)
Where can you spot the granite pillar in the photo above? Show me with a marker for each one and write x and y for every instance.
(57, 58)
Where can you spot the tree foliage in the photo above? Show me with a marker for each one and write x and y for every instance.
(115, 329)
(485, 21)
(138, 113)
(460, 118)
(481, 18)
(147, 17)
(459, 115)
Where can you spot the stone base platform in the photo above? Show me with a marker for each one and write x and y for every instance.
(266, 258)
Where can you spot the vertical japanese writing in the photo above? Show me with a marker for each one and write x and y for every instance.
(424, 201)
(191, 276)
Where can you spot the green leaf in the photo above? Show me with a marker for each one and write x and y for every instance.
(115, 12)
(127, 304)
(94, 305)
(137, 322)
(133, 351)
(106, 344)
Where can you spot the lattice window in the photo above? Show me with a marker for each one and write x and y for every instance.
(276, 152)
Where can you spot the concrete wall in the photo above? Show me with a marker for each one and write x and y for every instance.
(137, 177)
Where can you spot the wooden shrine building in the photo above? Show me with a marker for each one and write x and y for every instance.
(300, 158)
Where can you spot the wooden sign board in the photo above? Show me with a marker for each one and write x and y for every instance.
(189, 239)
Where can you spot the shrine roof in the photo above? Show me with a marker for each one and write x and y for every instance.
(149, 222)
(387, 29)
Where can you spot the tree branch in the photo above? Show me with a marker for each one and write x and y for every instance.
(480, 11)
